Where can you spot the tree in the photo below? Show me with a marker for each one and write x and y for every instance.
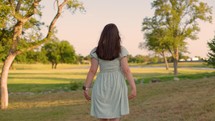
(59, 52)
(52, 52)
(21, 16)
(211, 54)
(67, 52)
(179, 20)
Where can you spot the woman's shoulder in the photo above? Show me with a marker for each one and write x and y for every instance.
(93, 53)
(93, 50)
(124, 52)
(123, 48)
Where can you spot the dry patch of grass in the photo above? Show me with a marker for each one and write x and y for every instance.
(186, 100)
(29, 101)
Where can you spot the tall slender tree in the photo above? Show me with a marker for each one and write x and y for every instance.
(179, 19)
(19, 16)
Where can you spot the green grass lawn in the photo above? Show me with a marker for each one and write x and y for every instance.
(40, 93)
(40, 77)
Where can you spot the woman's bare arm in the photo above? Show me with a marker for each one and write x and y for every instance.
(92, 72)
(129, 77)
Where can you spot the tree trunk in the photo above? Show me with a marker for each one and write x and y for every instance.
(175, 62)
(165, 60)
(4, 77)
(12, 67)
(8, 62)
(55, 66)
(52, 65)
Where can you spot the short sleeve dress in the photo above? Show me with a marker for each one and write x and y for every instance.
(110, 93)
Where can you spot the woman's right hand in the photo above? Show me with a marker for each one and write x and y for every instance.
(86, 95)
(133, 94)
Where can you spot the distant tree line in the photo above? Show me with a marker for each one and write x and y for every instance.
(53, 52)
(144, 59)
(63, 52)
(154, 58)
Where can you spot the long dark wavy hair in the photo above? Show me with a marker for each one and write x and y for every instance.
(109, 46)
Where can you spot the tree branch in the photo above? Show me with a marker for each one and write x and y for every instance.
(51, 27)
(12, 6)
(18, 6)
(32, 10)
(59, 12)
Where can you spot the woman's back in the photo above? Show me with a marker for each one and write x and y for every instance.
(109, 65)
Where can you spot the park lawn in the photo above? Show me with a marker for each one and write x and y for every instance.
(40, 77)
(40, 93)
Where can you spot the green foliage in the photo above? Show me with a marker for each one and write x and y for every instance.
(67, 52)
(211, 54)
(137, 59)
(149, 59)
(52, 52)
(155, 35)
(73, 5)
(22, 58)
(4, 13)
(5, 42)
(154, 59)
(75, 85)
(25, 14)
(33, 56)
(180, 17)
(173, 22)
(59, 52)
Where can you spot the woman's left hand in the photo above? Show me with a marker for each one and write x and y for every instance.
(86, 95)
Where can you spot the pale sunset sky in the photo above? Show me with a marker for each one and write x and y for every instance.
(83, 30)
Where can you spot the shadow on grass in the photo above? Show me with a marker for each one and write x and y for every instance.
(44, 88)
(36, 87)
(41, 78)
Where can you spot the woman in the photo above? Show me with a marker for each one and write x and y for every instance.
(109, 94)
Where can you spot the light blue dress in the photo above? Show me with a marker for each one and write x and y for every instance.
(110, 93)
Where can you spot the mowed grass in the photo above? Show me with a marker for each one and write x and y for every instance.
(40, 78)
(40, 93)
